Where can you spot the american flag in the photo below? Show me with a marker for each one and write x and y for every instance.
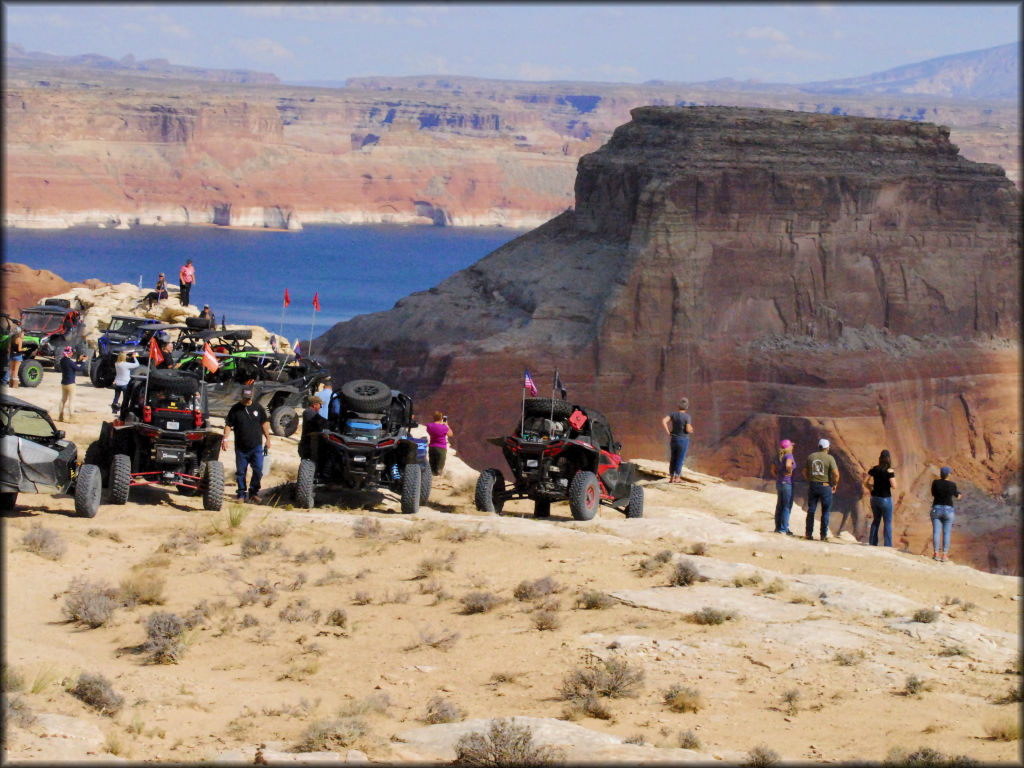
(528, 383)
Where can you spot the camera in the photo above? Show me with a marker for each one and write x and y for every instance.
(444, 419)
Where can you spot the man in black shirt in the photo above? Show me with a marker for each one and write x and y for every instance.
(252, 427)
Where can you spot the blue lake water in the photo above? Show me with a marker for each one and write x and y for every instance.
(243, 274)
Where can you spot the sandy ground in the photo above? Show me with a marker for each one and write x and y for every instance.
(814, 664)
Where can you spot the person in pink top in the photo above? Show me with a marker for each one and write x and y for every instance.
(186, 279)
(437, 448)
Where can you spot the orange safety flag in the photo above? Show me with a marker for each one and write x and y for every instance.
(210, 359)
(287, 299)
(155, 355)
(316, 301)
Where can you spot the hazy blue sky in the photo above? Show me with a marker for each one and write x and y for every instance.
(609, 42)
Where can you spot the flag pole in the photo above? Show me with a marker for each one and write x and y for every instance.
(522, 417)
(551, 418)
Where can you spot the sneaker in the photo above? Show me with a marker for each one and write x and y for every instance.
(945, 557)
(809, 538)
(825, 538)
(935, 556)
(789, 533)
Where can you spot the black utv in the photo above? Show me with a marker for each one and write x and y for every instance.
(562, 451)
(161, 436)
(365, 445)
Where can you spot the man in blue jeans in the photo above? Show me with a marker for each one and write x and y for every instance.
(252, 428)
(822, 476)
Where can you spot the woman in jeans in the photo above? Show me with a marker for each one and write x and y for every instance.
(678, 426)
(782, 471)
(943, 493)
(122, 375)
(881, 483)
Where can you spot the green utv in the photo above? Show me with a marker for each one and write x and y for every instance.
(47, 329)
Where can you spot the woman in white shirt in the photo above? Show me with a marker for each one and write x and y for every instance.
(122, 375)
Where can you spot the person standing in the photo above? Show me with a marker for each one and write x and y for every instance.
(437, 449)
(324, 393)
(186, 279)
(16, 354)
(782, 470)
(122, 375)
(822, 474)
(252, 428)
(881, 482)
(312, 423)
(68, 370)
(678, 426)
(944, 491)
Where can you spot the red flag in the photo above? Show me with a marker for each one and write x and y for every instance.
(530, 386)
(155, 355)
(287, 299)
(316, 301)
(210, 359)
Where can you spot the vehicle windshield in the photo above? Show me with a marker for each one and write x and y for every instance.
(123, 324)
(367, 429)
(26, 423)
(41, 322)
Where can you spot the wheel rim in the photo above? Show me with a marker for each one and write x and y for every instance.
(590, 498)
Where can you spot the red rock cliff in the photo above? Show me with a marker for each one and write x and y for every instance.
(795, 275)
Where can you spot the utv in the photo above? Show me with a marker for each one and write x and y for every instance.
(48, 328)
(123, 334)
(366, 444)
(162, 435)
(562, 451)
(34, 453)
(280, 383)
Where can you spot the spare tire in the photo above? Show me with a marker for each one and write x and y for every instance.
(366, 395)
(543, 406)
(284, 421)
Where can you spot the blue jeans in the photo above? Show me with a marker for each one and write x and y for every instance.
(783, 506)
(818, 492)
(881, 509)
(118, 391)
(942, 524)
(677, 454)
(243, 460)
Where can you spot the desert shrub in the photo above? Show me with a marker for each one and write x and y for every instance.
(925, 757)
(249, 621)
(431, 565)
(698, 549)
(614, 679)
(546, 620)
(362, 597)
(649, 565)
(189, 540)
(954, 650)
(747, 581)
(682, 699)
(587, 706)
(925, 615)
(915, 685)
(688, 740)
(331, 577)
(261, 591)
(13, 680)
(296, 584)
(504, 743)
(761, 757)
(443, 640)
(636, 738)
(255, 544)
(236, 514)
(90, 603)
(774, 587)
(337, 618)
(165, 638)
(299, 610)
(198, 615)
(1015, 695)
(366, 528)
(440, 710)
(709, 615)
(849, 658)
(377, 702)
(1003, 729)
(533, 590)
(479, 602)
(44, 542)
(499, 678)
(684, 574)
(142, 588)
(95, 691)
(791, 700)
(17, 712)
(331, 735)
(592, 600)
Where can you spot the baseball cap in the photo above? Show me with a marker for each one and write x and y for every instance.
(247, 392)
(945, 471)
(68, 350)
(824, 443)
(786, 444)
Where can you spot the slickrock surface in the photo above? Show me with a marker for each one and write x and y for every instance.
(822, 659)
(794, 275)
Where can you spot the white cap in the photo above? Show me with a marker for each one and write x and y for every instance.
(823, 443)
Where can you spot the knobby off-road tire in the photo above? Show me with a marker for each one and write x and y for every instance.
(426, 482)
(490, 491)
(88, 489)
(542, 406)
(101, 372)
(304, 491)
(95, 454)
(366, 395)
(584, 495)
(213, 486)
(411, 490)
(120, 478)
(31, 373)
(635, 508)
(542, 508)
(284, 421)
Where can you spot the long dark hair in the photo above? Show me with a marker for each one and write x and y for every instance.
(884, 460)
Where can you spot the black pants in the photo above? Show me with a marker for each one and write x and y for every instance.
(437, 457)
(183, 293)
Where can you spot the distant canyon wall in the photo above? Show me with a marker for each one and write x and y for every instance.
(794, 275)
(116, 149)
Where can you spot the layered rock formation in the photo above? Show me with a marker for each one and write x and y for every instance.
(25, 287)
(127, 146)
(793, 274)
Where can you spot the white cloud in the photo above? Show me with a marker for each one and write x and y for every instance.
(261, 47)
(764, 33)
